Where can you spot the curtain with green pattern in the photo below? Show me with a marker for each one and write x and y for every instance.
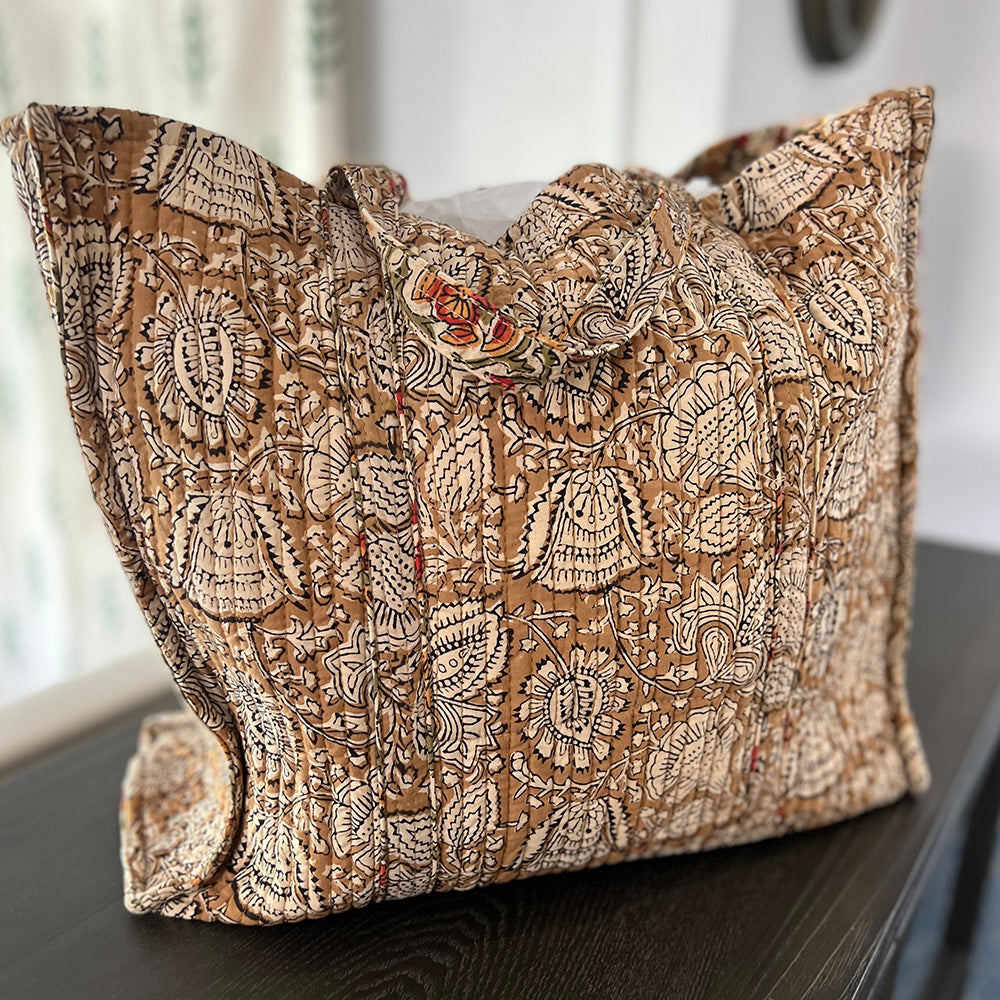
(267, 74)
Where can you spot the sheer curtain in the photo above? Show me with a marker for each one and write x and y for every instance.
(269, 75)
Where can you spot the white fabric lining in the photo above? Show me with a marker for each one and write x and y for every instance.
(486, 212)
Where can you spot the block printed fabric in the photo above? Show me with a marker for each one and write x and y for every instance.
(474, 561)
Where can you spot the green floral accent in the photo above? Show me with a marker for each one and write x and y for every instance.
(324, 48)
(6, 84)
(96, 58)
(195, 48)
(109, 606)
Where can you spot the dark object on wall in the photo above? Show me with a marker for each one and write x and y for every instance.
(834, 30)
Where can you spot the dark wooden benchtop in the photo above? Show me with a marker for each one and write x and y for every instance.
(816, 914)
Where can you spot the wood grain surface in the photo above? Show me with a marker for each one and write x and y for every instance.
(815, 914)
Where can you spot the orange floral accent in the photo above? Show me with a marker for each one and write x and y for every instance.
(501, 335)
(455, 305)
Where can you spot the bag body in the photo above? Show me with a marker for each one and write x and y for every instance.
(478, 560)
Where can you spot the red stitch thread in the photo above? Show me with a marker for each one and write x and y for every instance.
(753, 759)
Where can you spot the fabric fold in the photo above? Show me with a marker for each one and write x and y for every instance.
(529, 320)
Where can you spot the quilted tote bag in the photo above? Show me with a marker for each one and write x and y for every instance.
(474, 560)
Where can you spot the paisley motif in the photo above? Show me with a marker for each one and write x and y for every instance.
(205, 366)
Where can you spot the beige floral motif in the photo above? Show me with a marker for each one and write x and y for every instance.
(328, 487)
(575, 834)
(415, 843)
(341, 811)
(818, 757)
(467, 648)
(268, 888)
(223, 555)
(575, 400)
(789, 618)
(393, 589)
(460, 471)
(571, 709)
(724, 625)
(722, 521)
(890, 126)
(272, 734)
(587, 530)
(678, 820)
(383, 479)
(826, 622)
(349, 676)
(694, 755)
(709, 434)
(196, 171)
(270, 885)
(845, 477)
(776, 185)
(110, 273)
(471, 817)
(844, 317)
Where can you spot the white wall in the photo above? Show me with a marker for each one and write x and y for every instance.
(460, 95)
(953, 48)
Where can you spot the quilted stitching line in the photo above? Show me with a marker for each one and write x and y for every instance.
(914, 762)
(371, 646)
(426, 667)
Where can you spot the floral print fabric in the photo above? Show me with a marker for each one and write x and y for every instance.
(478, 560)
